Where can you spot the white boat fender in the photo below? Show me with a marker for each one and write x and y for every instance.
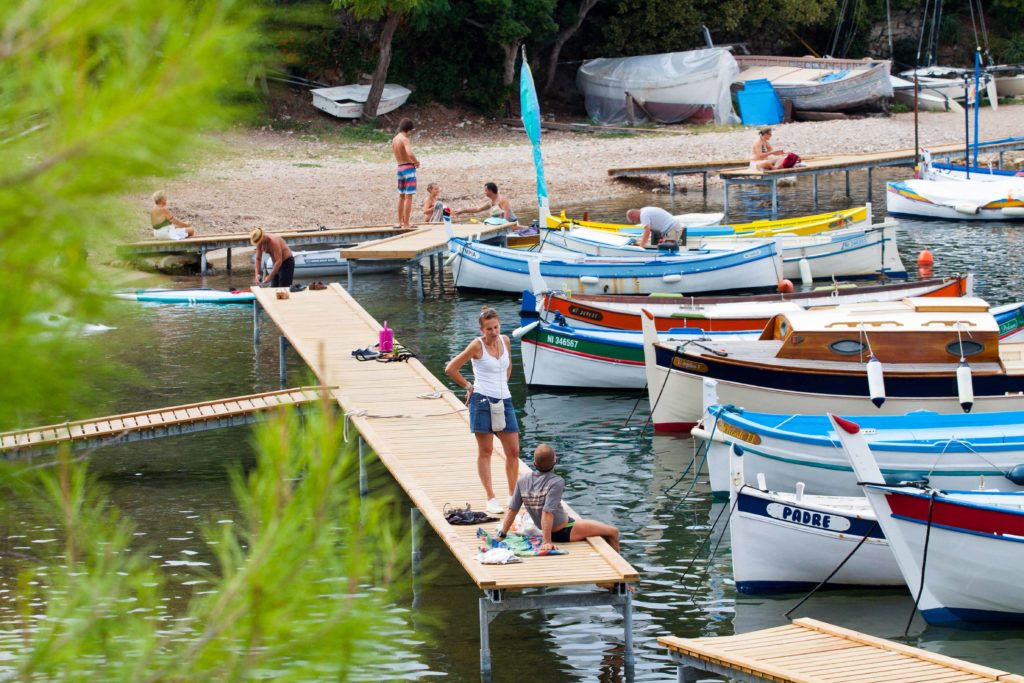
(876, 381)
(524, 330)
(1013, 211)
(589, 279)
(671, 278)
(805, 271)
(964, 386)
(800, 486)
(1016, 475)
(448, 261)
(967, 209)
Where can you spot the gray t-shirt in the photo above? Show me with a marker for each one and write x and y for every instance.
(540, 492)
(660, 220)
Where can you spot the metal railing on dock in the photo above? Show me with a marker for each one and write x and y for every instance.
(426, 241)
(809, 651)
(204, 244)
(153, 424)
(420, 432)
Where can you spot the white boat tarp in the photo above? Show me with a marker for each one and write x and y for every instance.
(672, 87)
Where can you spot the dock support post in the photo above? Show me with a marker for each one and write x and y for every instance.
(256, 324)
(228, 262)
(628, 656)
(415, 520)
(432, 265)
(672, 184)
(1001, 160)
(351, 271)
(814, 189)
(775, 196)
(847, 183)
(705, 185)
(725, 197)
(282, 347)
(364, 483)
(203, 263)
(870, 171)
(421, 286)
(485, 640)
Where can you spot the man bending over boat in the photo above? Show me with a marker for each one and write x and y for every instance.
(541, 492)
(659, 226)
(283, 270)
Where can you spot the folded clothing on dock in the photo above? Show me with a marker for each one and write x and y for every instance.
(522, 546)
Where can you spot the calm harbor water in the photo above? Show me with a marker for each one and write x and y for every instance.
(614, 470)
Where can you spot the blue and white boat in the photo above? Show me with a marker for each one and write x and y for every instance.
(954, 451)
(845, 253)
(790, 541)
(483, 266)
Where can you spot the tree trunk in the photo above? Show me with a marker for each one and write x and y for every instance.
(380, 74)
(562, 38)
(511, 50)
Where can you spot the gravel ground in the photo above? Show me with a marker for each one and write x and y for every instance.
(285, 180)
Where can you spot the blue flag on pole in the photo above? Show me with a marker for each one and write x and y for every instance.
(530, 109)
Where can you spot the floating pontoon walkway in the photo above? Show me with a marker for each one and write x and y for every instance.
(420, 431)
(204, 244)
(428, 241)
(152, 424)
(809, 651)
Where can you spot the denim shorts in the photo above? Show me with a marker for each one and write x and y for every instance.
(480, 415)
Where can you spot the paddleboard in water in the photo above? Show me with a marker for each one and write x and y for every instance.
(189, 296)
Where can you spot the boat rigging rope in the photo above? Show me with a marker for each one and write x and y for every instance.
(668, 373)
(834, 571)
(363, 412)
(714, 551)
(924, 562)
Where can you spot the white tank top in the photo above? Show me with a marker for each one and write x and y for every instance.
(490, 373)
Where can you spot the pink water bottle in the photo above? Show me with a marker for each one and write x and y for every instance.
(385, 339)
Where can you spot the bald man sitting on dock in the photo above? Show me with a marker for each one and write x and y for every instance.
(541, 492)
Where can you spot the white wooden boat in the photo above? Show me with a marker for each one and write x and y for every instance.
(974, 199)
(671, 87)
(346, 101)
(959, 451)
(317, 263)
(786, 542)
(970, 542)
(930, 97)
(482, 266)
(817, 361)
(822, 84)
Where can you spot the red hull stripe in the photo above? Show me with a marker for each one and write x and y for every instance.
(957, 516)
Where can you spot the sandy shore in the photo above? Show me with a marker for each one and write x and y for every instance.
(285, 181)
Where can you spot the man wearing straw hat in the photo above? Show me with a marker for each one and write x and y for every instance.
(284, 262)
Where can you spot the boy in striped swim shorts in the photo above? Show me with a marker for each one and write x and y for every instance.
(406, 172)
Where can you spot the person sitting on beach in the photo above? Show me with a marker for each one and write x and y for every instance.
(283, 270)
(763, 157)
(433, 207)
(659, 226)
(164, 222)
(541, 492)
(496, 204)
(406, 172)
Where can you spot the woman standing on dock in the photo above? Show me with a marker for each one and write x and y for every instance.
(490, 402)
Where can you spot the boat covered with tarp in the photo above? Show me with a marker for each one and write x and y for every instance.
(667, 88)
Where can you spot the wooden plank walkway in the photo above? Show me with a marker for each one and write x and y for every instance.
(429, 240)
(426, 445)
(203, 244)
(809, 651)
(151, 424)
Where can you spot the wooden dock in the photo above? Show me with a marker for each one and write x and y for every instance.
(738, 171)
(426, 241)
(203, 244)
(152, 424)
(420, 431)
(809, 651)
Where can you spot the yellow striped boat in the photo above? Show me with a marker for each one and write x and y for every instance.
(801, 225)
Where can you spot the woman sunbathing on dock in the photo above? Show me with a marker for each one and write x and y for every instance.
(489, 401)
(165, 225)
(762, 156)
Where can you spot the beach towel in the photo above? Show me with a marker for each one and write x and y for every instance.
(521, 546)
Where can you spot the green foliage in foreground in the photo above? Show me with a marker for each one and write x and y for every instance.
(97, 98)
(300, 590)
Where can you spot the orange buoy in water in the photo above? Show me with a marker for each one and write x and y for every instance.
(925, 258)
(924, 272)
(785, 286)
